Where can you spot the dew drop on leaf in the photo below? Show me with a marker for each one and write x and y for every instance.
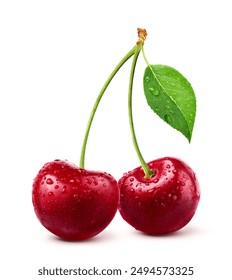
(153, 91)
(168, 119)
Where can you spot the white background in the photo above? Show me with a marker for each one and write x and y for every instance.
(54, 58)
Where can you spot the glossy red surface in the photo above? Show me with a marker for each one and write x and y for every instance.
(74, 203)
(162, 204)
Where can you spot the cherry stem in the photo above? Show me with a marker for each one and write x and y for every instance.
(95, 106)
(148, 172)
(145, 58)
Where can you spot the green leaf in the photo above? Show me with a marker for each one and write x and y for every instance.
(171, 97)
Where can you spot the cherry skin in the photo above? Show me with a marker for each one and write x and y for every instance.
(74, 203)
(163, 203)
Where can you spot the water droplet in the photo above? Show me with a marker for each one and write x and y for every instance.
(50, 193)
(56, 187)
(77, 180)
(49, 181)
(167, 118)
(174, 197)
(132, 190)
(95, 181)
(64, 190)
(147, 79)
(88, 181)
(174, 171)
(153, 91)
(171, 111)
(131, 179)
(71, 181)
(156, 180)
(185, 177)
(179, 189)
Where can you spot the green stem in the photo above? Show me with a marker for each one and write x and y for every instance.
(145, 58)
(148, 172)
(92, 114)
(149, 65)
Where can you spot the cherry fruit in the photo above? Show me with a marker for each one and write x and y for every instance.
(74, 203)
(157, 198)
(163, 203)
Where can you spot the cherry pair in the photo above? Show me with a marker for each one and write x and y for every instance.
(76, 204)
(158, 197)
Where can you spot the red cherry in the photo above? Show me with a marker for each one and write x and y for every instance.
(162, 204)
(74, 203)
